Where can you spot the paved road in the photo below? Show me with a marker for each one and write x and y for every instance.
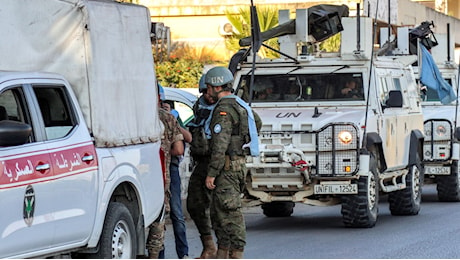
(318, 232)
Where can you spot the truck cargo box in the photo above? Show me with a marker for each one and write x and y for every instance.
(107, 64)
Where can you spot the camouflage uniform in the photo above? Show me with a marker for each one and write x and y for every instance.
(227, 165)
(171, 134)
(199, 197)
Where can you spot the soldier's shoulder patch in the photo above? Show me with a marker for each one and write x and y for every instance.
(223, 113)
(217, 128)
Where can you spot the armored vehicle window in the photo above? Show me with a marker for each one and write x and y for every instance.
(388, 83)
(429, 94)
(397, 83)
(303, 87)
(56, 111)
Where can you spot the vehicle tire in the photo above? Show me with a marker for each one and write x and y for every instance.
(118, 238)
(407, 201)
(278, 209)
(361, 210)
(448, 186)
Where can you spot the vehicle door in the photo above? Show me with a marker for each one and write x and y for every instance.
(74, 163)
(26, 196)
(394, 128)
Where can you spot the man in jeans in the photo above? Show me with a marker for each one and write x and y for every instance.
(176, 214)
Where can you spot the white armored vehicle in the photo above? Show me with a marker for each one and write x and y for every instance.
(441, 148)
(338, 128)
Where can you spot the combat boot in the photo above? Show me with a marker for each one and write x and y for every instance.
(209, 248)
(222, 253)
(236, 253)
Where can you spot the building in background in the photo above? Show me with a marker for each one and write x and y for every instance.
(449, 7)
(203, 23)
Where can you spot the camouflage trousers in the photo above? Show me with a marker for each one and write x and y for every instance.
(199, 198)
(226, 213)
(155, 239)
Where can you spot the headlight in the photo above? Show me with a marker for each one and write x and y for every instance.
(441, 130)
(437, 130)
(345, 137)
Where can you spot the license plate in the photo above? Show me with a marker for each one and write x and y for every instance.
(332, 188)
(437, 170)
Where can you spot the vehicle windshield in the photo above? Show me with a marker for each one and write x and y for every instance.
(303, 87)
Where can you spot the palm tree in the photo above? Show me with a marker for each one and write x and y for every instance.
(268, 18)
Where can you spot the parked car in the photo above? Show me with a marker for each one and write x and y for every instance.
(183, 101)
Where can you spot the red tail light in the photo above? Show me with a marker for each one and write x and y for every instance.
(163, 165)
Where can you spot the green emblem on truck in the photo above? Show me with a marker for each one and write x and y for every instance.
(29, 205)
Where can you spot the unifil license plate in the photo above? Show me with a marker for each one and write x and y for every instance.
(437, 170)
(336, 188)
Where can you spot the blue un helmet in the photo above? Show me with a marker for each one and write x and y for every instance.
(161, 92)
(219, 76)
(201, 85)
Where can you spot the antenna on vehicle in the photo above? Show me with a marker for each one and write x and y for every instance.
(374, 35)
(458, 75)
(358, 29)
(389, 24)
(448, 42)
(456, 103)
(256, 42)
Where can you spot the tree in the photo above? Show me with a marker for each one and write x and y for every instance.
(268, 18)
(184, 66)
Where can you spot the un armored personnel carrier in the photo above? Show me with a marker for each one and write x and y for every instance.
(441, 147)
(338, 128)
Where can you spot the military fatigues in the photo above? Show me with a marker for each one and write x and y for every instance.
(199, 197)
(227, 165)
(171, 134)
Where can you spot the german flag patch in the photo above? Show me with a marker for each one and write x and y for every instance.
(223, 113)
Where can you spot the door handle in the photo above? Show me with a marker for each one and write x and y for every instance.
(42, 167)
(87, 158)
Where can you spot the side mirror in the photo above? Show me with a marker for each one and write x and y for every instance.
(395, 99)
(14, 133)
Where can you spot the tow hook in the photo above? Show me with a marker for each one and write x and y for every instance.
(304, 168)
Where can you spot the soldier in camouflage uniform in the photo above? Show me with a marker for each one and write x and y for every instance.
(199, 197)
(171, 144)
(232, 127)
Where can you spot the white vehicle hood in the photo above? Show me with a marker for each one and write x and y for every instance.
(439, 112)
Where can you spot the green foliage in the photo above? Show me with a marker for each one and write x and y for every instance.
(179, 73)
(332, 44)
(184, 66)
(268, 18)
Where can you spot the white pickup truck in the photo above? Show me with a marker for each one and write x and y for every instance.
(80, 158)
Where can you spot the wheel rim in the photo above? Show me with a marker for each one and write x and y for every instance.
(121, 241)
(371, 187)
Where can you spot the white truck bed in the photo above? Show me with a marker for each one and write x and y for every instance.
(62, 36)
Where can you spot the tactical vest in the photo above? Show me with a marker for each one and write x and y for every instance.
(239, 143)
(200, 144)
(240, 135)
